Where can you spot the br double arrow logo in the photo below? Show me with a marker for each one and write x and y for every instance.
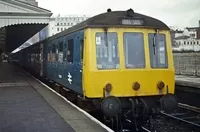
(69, 78)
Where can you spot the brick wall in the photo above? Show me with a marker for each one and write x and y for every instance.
(187, 63)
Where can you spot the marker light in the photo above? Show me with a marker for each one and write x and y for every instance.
(136, 86)
(108, 87)
(160, 85)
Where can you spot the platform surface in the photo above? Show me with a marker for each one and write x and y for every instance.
(190, 81)
(28, 106)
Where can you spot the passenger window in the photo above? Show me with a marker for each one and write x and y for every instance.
(81, 51)
(53, 53)
(134, 50)
(60, 52)
(70, 51)
(54, 49)
(49, 54)
(60, 47)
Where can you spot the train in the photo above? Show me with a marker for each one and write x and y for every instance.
(118, 62)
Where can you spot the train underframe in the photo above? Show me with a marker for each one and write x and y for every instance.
(134, 112)
(122, 112)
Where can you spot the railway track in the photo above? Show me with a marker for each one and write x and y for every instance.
(187, 114)
(189, 107)
(145, 129)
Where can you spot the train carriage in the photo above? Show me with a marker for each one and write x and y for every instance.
(121, 61)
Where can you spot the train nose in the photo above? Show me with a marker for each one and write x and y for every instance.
(169, 102)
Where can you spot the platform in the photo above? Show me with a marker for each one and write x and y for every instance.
(190, 81)
(26, 105)
(188, 84)
(188, 89)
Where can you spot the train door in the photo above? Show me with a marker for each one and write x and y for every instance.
(41, 59)
(79, 59)
(60, 59)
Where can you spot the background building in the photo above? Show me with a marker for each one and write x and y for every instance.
(61, 23)
(32, 2)
(56, 25)
(187, 40)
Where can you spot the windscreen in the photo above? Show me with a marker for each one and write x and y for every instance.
(134, 50)
(157, 48)
(107, 54)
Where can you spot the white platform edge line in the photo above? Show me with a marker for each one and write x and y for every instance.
(81, 110)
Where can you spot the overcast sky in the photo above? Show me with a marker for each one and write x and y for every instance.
(179, 13)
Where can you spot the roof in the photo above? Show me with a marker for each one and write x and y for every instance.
(177, 31)
(14, 12)
(21, 19)
(27, 5)
(192, 28)
(182, 37)
(114, 19)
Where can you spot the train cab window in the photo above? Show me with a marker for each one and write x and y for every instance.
(70, 51)
(134, 50)
(107, 51)
(158, 53)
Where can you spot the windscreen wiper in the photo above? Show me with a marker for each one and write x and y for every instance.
(154, 43)
(106, 36)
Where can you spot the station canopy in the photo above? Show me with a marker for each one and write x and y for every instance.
(19, 21)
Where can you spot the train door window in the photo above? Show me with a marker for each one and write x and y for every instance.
(81, 51)
(107, 51)
(134, 50)
(65, 52)
(158, 52)
(70, 51)
(60, 52)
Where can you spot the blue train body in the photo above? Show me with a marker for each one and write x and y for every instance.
(58, 59)
(66, 69)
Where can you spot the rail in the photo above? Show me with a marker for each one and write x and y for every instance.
(187, 114)
(189, 107)
(145, 129)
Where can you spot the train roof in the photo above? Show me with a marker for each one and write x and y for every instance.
(110, 18)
